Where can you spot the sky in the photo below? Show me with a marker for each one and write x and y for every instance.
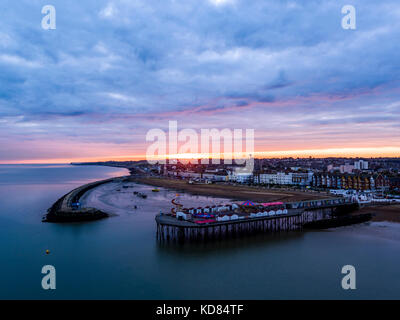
(112, 70)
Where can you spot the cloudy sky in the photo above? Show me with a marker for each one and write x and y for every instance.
(112, 70)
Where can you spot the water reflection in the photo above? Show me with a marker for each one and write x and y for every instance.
(119, 257)
(244, 242)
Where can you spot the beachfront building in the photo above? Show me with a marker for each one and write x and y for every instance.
(349, 181)
(283, 178)
(266, 178)
(211, 176)
(302, 178)
(217, 177)
(274, 178)
(240, 177)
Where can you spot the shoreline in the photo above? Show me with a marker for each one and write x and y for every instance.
(234, 192)
(61, 210)
(389, 213)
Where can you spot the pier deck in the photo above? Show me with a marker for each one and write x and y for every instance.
(173, 222)
(170, 228)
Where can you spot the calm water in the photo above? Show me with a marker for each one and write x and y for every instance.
(119, 257)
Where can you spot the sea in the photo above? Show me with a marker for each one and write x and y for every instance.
(120, 257)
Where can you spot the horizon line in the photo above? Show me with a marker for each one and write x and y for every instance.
(366, 152)
(40, 162)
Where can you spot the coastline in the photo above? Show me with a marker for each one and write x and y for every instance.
(234, 192)
(389, 213)
(61, 210)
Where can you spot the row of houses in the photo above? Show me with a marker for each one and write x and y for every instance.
(320, 180)
(212, 176)
(347, 181)
(213, 209)
(188, 215)
(260, 214)
(282, 178)
(290, 178)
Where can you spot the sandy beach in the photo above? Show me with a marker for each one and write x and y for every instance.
(389, 213)
(383, 212)
(116, 200)
(232, 192)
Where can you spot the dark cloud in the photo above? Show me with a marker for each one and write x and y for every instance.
(125, 64)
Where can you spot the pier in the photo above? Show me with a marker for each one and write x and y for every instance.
(169, 228)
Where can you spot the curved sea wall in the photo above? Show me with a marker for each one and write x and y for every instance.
(64, 210)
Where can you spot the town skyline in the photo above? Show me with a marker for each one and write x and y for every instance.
(143, 158)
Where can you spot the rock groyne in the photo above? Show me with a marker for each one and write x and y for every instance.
(67, 208)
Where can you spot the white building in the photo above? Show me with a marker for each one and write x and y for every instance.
(274, 178)
(346, 168)
(291, 178)
(284, 178)
(266, 178)
(182, 216)
(361, 165)
(206, 176)
(240, 177)
(302, 178)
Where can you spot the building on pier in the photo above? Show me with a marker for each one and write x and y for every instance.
(266, 217)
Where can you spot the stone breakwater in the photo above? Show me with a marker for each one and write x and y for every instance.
(67, 208)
